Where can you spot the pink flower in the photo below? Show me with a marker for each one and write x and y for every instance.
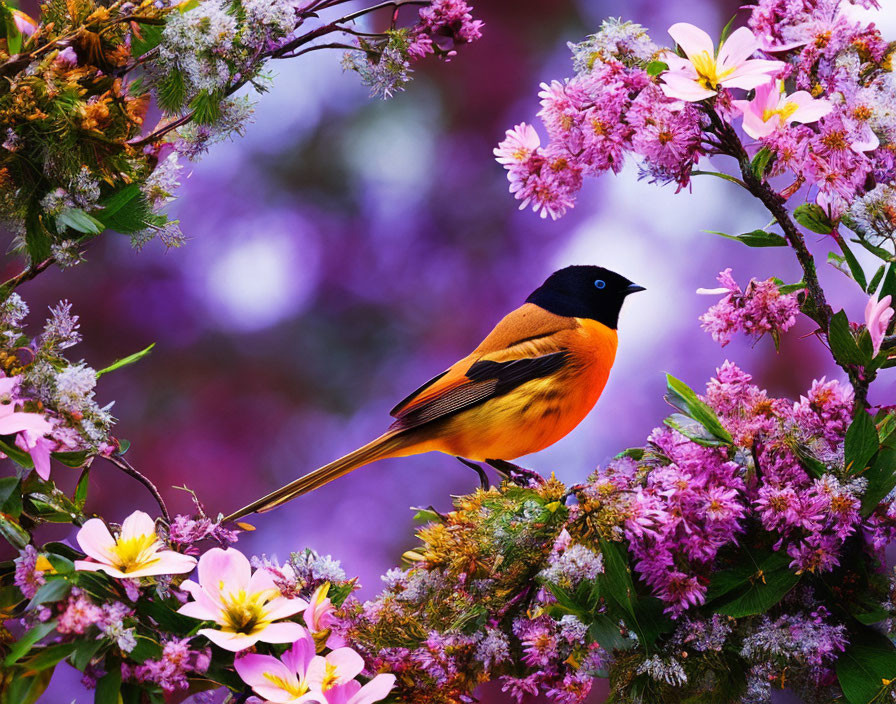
(353, 693)
(772, 108)
(244, 605)
(24, 23)
(135, 552)
(321, 615)
(67, 57)
(520, 143)
(877, 318)
(285, 680)
(703, 72)
(30, 427)
(339, 667)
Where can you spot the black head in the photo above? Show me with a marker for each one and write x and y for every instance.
(585, 292)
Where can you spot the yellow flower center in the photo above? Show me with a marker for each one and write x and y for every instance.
(135, 553)
(782, 111)
(294, 689)
(331, 678)
(707, 70)
(246, 613)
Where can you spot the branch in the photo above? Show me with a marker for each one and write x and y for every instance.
(33, 270)
(126, 467)
(815, 304)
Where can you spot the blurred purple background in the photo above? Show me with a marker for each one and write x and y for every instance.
(345, 250)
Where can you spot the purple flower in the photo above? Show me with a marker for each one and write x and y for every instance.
(27, 577)
(761, 309)
(178, 660)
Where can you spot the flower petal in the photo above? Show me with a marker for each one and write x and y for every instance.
(17, 422)
(226, 570)
(96, 540)
(300, 654)
(676, 85)
(196, 609)
(693, 40)
(234, 642)
(752, 74)
(285, 632)
(375, 690)
(137, 524)
(252, 669)
(281, 607)
(740, 45)
(347, 662)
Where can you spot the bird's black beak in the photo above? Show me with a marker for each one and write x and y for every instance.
(633, 288)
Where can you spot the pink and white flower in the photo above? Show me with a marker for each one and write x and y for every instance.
(337, 668)
(353, 693)
(520, 143)
(284, 680)
(878, 314)
(244, 605)
(29, 428)
(772, 108)
(704, 72)
(321, 615)
(24, 23)
(135, 552)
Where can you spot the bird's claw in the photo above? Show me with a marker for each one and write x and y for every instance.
(483, 477)
(516, 474)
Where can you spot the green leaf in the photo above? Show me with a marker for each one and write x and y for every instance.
(876, 279)
(61, 564)
(52, 591)
(37, 237)
(881, 476)
(13, 533)
(11, 32)
(27, 641)
(761, 162)
(842, 342)
(792, 288)
(146, 649)
(133, 215)
(25, 690)
(80, 221)
(869, 659)
(721, 175)
(682, 397)
(855, 269)
(606, 632)
(16, 454)
(693, 430)
(879, 252)
(812, 217)
(49, 656)
(125, 361)
(755, 564)
(726, 30)
(655, 68)
(117, 201)
(109, 686)
(171, 92)
(206, 107)
(861, 443)
(888, 288)
(763, 593)
(82, 487)
(84, 652)
(10, 495)
(756, 238)
(147, 38)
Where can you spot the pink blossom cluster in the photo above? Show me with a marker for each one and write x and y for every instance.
(440, 21)
(841, 62)
(690, 506)
(758, 310)
(683, 503)
(610, 108)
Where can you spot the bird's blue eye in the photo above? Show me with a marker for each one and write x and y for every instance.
(600, 283)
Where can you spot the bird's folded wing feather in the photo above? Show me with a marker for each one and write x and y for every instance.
(528, 344)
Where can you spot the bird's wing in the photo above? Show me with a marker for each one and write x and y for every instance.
(527, 344)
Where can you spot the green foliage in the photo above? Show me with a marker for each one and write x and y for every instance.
(126, 361)
(756, 238)
(682, 397)
(813, 218)
(867, 666)
(843, 343)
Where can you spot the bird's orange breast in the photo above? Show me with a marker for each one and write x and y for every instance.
(537, 413)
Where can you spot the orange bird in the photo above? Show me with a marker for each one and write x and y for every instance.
(532, 380)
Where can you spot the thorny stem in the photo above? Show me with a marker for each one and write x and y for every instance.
(815, 304)
(128, 469)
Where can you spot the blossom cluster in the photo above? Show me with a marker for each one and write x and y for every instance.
(761, 309)
(87, 72)
(48, 403)
(123, 601)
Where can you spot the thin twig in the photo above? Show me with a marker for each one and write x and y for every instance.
(33, 270)
(128, 469)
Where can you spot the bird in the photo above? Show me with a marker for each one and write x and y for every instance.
(530, 382)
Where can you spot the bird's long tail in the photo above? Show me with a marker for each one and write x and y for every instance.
(377, 449)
